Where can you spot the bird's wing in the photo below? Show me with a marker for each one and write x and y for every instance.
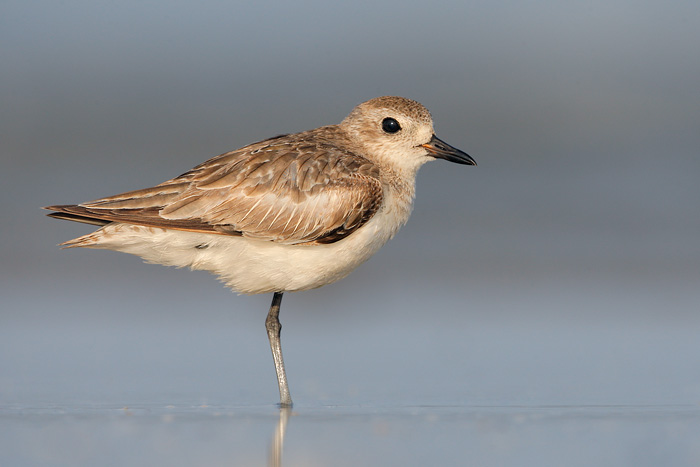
(287, 189)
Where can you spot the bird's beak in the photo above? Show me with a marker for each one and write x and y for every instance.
(441, 150)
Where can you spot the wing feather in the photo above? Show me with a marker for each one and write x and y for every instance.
(291, 189)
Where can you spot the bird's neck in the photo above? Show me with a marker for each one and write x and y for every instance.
(399, 191)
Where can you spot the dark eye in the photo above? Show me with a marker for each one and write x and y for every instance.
(390, 125)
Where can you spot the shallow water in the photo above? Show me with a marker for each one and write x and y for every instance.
(352, 435)
(523, 387)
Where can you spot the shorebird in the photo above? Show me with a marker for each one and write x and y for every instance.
(285, 214)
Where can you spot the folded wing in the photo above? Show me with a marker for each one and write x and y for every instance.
(289, 189)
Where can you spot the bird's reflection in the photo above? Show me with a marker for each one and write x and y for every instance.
(275, 455)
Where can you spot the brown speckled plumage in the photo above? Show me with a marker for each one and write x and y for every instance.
(295, 189)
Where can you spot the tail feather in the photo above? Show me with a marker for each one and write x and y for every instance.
(147, 217)
(78, 218)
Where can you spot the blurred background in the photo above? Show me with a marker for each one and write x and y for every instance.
(564, 269)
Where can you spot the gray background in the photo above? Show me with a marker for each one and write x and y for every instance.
(563, 271)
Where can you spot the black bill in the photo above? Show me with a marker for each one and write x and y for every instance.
(441, 150)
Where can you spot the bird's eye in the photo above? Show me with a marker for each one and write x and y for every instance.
(390, 125)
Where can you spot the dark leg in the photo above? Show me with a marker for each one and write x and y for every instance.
(273, 326)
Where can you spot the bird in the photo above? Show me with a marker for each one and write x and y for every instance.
(290, 213)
